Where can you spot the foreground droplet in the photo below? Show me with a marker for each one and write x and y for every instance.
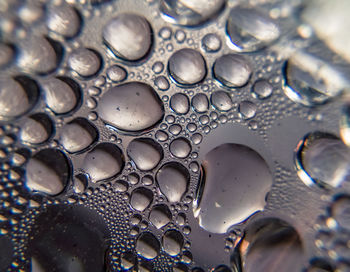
(128, 36)
(160, 215)
(249, 29)
(322, 159)
(131, 107)
(103, 162)
(269, 244)
(69, 238)
(190, 13)
(145, 153)
(234, 182)
(187, 66)
(47, 172)
(172, 242)
(232, 70)
(147, 245)
(173, 179)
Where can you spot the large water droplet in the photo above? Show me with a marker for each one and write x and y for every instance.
(160, 215)
(69, 238)
(173, 179)
(200, 103)
(61, 94)
(147, 245)
(78, 135)
(47, 172)
(85, 62)
(180, 148)
(141, 198)
(232, 70)
(179, 103)
(269, 244)
(63, 20)
(234, 182)
(172, 242)
(104, 161)
(322, 159)
(145, 153)
(311, 81)
(221, 100)
(249, 29)
(128, 36)
(17, 96)
(190, 12)
(187, 66)
(131, 107)
(36, 129)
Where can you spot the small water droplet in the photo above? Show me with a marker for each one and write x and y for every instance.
(180, 148)
(180, 103)
(116, 73)
(86, 62)
(158, 67)
(211, 43)
(165, 33)
(247, 109)
(262, 89)
(37, 129)
(162, 83)
(221, 100)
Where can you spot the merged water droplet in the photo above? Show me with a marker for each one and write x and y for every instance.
(173, 180)
(104, 161)
(232, 70)
(63, 20)
(311, 81)
(234, 182)
(147, 245)
(269, 244)
(128, 36)
(78, 135)
(172, 242)
(221, 100)
(86, 62)
(250, 29)
(200, 103)
(62, 94)
(131, 107)
(47, 172)
(180, 103)
(322, 159)
(145, 153)
(187, 66)
(160, 215)
(17, 96)
(37, 129)
(190, 13)
(180, 148)
(211, 43)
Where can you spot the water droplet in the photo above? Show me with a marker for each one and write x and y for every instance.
(160, 215)
(141, 198)
(340, 211)
(161, 136)
(232, 70)
(6, 54)
(17, 96)
(345, 123)
(116, 73)
(131, 107)
(211, 43)
(262, 89)
(234, 182)
(272, 243)
(165, 33)
(47, 172)
(61, 94)
(128, 36)
(180, 148)
(85, 62)
(39, 55)
(311, 81)
(162, 83)
(187, 66)
(200, 103)
(80, 183)
(147, 245)
(63, 20)
(128, 260)
(196, 138)
(147, 180)
(145, 153)
(190, 13)
(221, 100)
(36, 129)
(103, 162)
(31, 12)
(72, 238)
(322, 159)
(180, 36)
(247, 109)
(172, 242)
(173, 179)
(77, 135)
(250, 29)
(179, 103)
(175, 129)
(158, 67)
(121, 186)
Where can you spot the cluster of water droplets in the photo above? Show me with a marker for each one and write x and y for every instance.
(137, 141)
